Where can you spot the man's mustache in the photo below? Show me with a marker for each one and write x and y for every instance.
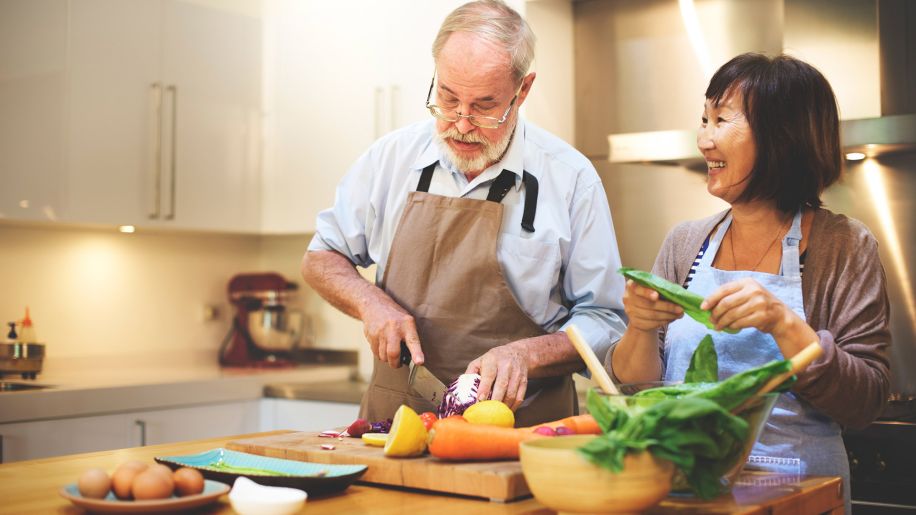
(453, 133)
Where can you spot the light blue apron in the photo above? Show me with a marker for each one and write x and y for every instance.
(797, 438)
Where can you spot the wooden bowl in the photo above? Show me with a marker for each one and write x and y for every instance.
(563, 480)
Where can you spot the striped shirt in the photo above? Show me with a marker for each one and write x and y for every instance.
(696, 262)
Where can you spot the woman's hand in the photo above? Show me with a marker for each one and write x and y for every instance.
(745, 303)
(646, 310)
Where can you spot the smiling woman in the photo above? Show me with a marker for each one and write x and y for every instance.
(770, 137)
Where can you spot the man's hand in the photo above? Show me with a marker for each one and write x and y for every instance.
(503, 374)
(386, 325)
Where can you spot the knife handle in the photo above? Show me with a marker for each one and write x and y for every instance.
(405, 354)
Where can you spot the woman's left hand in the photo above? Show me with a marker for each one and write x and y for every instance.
(745, 303)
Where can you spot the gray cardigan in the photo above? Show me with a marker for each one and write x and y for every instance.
(845, 299)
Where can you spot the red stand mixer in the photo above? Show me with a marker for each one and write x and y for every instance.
(264, 332)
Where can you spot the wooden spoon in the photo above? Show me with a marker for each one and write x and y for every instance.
(591, 361)
(799, 363)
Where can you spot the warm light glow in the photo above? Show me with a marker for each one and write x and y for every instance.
(855, 156)
(695, 35)
(24, 204)
(874, 183)
(127, 229)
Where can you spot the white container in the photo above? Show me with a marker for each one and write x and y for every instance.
(250, 498)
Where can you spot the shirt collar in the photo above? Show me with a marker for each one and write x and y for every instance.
(513, 160)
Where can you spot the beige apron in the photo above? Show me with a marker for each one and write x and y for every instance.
(442, 269)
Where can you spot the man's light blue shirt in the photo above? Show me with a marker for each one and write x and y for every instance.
(561, 274)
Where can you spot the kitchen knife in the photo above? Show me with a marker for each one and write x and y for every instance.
(421, 381)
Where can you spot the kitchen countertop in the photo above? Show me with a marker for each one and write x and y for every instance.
(348, 391)
(31, 487)
(113, 384)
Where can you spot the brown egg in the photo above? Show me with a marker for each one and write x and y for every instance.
(188, 481)
(133, 464)
(123, 477)
(94, 484)
(162, 469)
(151, 484)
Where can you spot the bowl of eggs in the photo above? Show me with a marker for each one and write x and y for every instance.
(135, 486)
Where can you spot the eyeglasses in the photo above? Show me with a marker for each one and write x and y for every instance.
(452, 116)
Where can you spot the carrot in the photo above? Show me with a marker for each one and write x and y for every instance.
(579, 424)
(455, 438)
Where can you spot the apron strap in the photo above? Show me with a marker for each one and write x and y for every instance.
(498, 191)
(531, 201)
(790, 266)
(501, 186)
(426, 178)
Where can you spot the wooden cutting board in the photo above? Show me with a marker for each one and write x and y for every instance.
(494, 480)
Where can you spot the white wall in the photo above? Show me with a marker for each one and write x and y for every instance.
(551, 103)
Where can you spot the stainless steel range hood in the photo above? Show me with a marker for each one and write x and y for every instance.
(843, 38)
(872, 137)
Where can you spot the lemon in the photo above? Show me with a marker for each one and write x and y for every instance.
(491, 413)
(408, 434)
(375, 439)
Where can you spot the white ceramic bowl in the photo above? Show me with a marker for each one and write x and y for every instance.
(250, 498)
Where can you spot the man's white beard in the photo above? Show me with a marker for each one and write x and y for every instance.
(491, 152)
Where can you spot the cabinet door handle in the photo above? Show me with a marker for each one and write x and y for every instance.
(142, 425)
(173, 163)
(394, 93)
(156, 93)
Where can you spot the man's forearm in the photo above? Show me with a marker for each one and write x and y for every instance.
(335, 278)
(550, 355)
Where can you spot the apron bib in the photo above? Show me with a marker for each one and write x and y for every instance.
(442, 268)
(797, 439)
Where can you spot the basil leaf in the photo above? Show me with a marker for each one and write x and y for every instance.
(674, 293)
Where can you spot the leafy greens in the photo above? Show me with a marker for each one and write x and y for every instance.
(690, 424)
(673, 292)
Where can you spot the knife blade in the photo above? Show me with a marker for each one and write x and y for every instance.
(421, 381)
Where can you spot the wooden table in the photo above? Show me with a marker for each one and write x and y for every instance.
(31, 487)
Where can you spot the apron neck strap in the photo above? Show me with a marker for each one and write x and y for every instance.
(498, 191)
(426, 178)
(790, 266)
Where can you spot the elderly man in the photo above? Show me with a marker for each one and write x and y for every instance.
(490, 236)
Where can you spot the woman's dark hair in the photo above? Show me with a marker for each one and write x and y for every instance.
(793, 114)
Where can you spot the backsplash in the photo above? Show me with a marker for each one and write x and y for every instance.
(95, 292)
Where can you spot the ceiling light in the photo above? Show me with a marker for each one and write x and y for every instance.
(127, 229)
(855, 156)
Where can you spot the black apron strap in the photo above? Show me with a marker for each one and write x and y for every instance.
(426, 178)
(531, 201)
(501, 186)
(498, 191)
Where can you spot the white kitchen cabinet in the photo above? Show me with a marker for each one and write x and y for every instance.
(341, 74)
(165, 120)
(306, 415)
(33, 65)
(41, 439)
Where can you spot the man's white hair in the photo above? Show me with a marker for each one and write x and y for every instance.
(496, 22)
